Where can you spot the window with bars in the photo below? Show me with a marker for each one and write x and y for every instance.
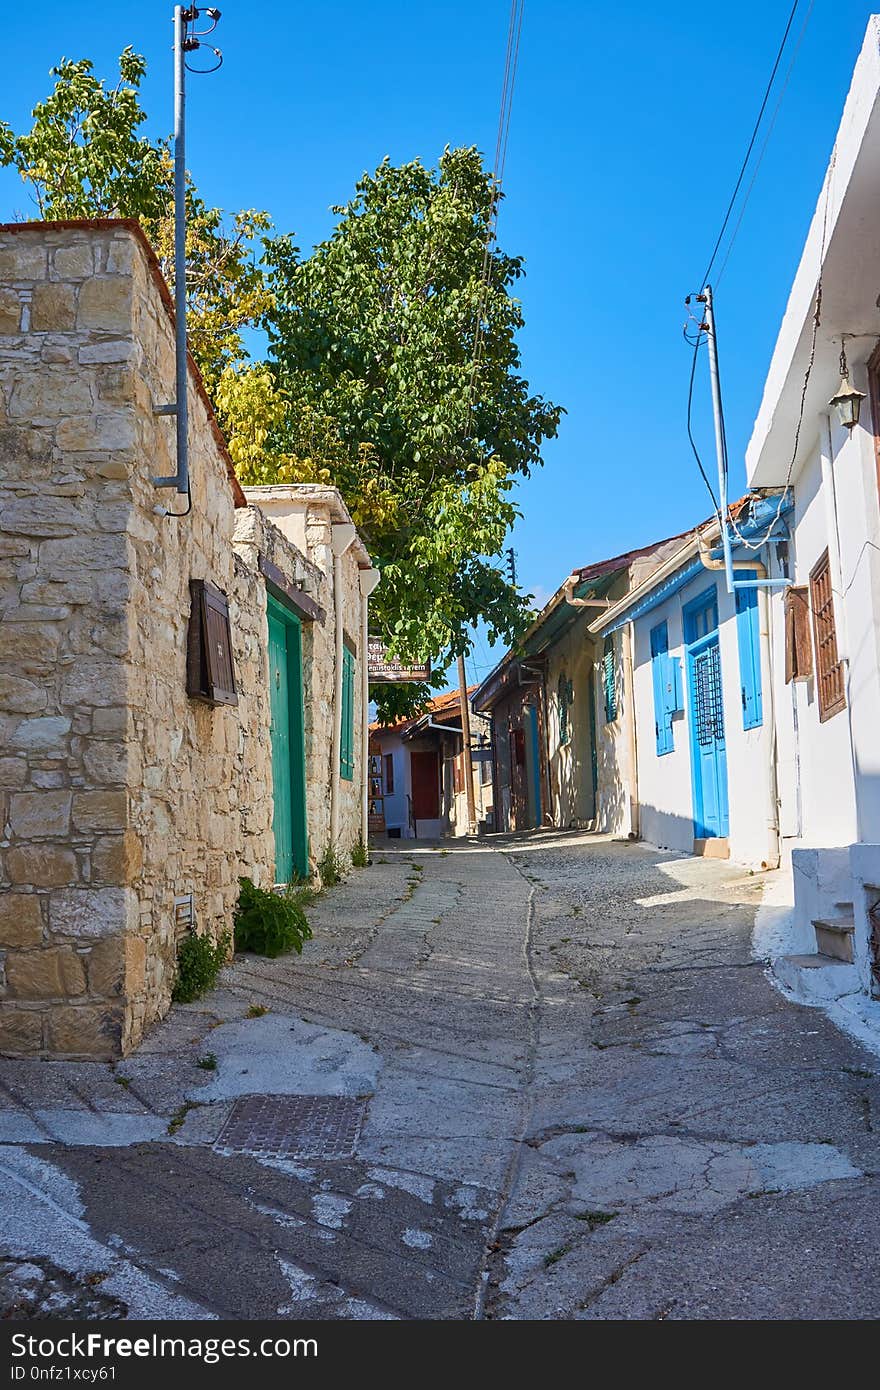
(346, 745)
(829, 667)
(609, 679)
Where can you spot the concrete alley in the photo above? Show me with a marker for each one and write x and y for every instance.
(542, 1078)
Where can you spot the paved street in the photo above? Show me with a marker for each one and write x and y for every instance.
(559, 1087)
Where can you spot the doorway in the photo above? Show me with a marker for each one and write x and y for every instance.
(286, 731)
(425, 773)
(708, 743)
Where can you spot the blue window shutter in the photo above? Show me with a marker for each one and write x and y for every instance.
(749, 643)
(663, 674)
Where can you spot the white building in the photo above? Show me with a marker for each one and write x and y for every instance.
(701, 672)
(826, 631)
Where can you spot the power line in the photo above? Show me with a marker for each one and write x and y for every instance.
(751, 144)
(763, 151)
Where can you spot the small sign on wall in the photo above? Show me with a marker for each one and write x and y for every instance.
(383, 669)
(184, 915)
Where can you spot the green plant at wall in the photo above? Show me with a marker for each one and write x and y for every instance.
(269, 924)
(360, 855)
(330, 867)
(199, 961)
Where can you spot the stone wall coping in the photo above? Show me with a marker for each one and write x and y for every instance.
(134, 228)
(307, 493)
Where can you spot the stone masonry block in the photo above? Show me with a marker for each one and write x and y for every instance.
(41, 866)
(74, 262)
(53, 309)
(10, 311)
(21, 1030)
(54, 972)
(22, 258)
(40, 815)
(117, 858)
(100, 810)
(86, 1030)
(105, 303)
(21, 921)
(89, 913)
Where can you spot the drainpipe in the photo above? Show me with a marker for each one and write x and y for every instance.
(635, 829)
(341, 537)
(367, 579)
(764, 636)
(568, 589)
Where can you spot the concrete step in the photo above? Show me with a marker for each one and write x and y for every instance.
(717, 847)
(834, 937)
(816, 976)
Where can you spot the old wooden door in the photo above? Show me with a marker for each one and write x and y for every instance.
(425, 769)
(288, 750)
(708, 742)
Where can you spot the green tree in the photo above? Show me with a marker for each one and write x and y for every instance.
(86, 156)
(401, 330)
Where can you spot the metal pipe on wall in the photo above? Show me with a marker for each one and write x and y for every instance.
(341, 537)
(367, 579)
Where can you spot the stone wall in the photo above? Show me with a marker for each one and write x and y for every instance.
(118, 793)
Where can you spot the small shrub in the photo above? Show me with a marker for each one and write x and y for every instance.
(199, 960)
(330, 867)
(360, 855)
(208, 1062)
(269, 924)
(256, 1011)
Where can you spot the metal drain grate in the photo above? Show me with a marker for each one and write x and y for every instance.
(293, 1126)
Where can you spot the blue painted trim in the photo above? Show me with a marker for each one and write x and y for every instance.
(695, 645)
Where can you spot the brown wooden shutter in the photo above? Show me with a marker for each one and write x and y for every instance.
(798, 647)
(829, 668)
(209, 670)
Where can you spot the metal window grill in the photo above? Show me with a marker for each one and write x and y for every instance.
(707, 697)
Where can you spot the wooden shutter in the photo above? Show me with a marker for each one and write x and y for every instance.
(749, 643)
(210, 674)
(457, 773)
(346, 745)
(829, 668)
(662, 675)
(609, 680)
(389, 773)
(798, 647)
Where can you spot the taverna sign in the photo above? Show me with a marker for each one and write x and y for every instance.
(383, 669)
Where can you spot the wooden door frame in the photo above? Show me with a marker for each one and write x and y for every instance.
(292, 624)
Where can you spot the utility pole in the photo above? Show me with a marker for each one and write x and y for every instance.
(186, 40)
(466, 740)
(720, 436)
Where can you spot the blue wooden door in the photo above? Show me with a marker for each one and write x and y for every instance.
(708, 744)
(288, 752)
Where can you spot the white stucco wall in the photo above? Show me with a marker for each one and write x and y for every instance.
(665, 781)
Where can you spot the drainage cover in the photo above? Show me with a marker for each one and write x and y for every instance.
(293, 1126)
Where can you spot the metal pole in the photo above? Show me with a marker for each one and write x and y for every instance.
(466, 752)
(180, 248)
(720, 440)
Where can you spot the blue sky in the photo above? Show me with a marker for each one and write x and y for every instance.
(629, 124)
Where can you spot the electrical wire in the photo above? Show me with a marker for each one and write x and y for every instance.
(751, 145)
(763, 150)
(698, 342)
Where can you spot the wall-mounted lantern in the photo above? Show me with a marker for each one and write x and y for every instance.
(847, 401)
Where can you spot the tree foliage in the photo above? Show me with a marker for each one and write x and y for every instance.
(401, 330)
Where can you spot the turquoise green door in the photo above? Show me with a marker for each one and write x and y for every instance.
(288, 749)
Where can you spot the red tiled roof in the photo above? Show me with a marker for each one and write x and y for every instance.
(440, 704)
